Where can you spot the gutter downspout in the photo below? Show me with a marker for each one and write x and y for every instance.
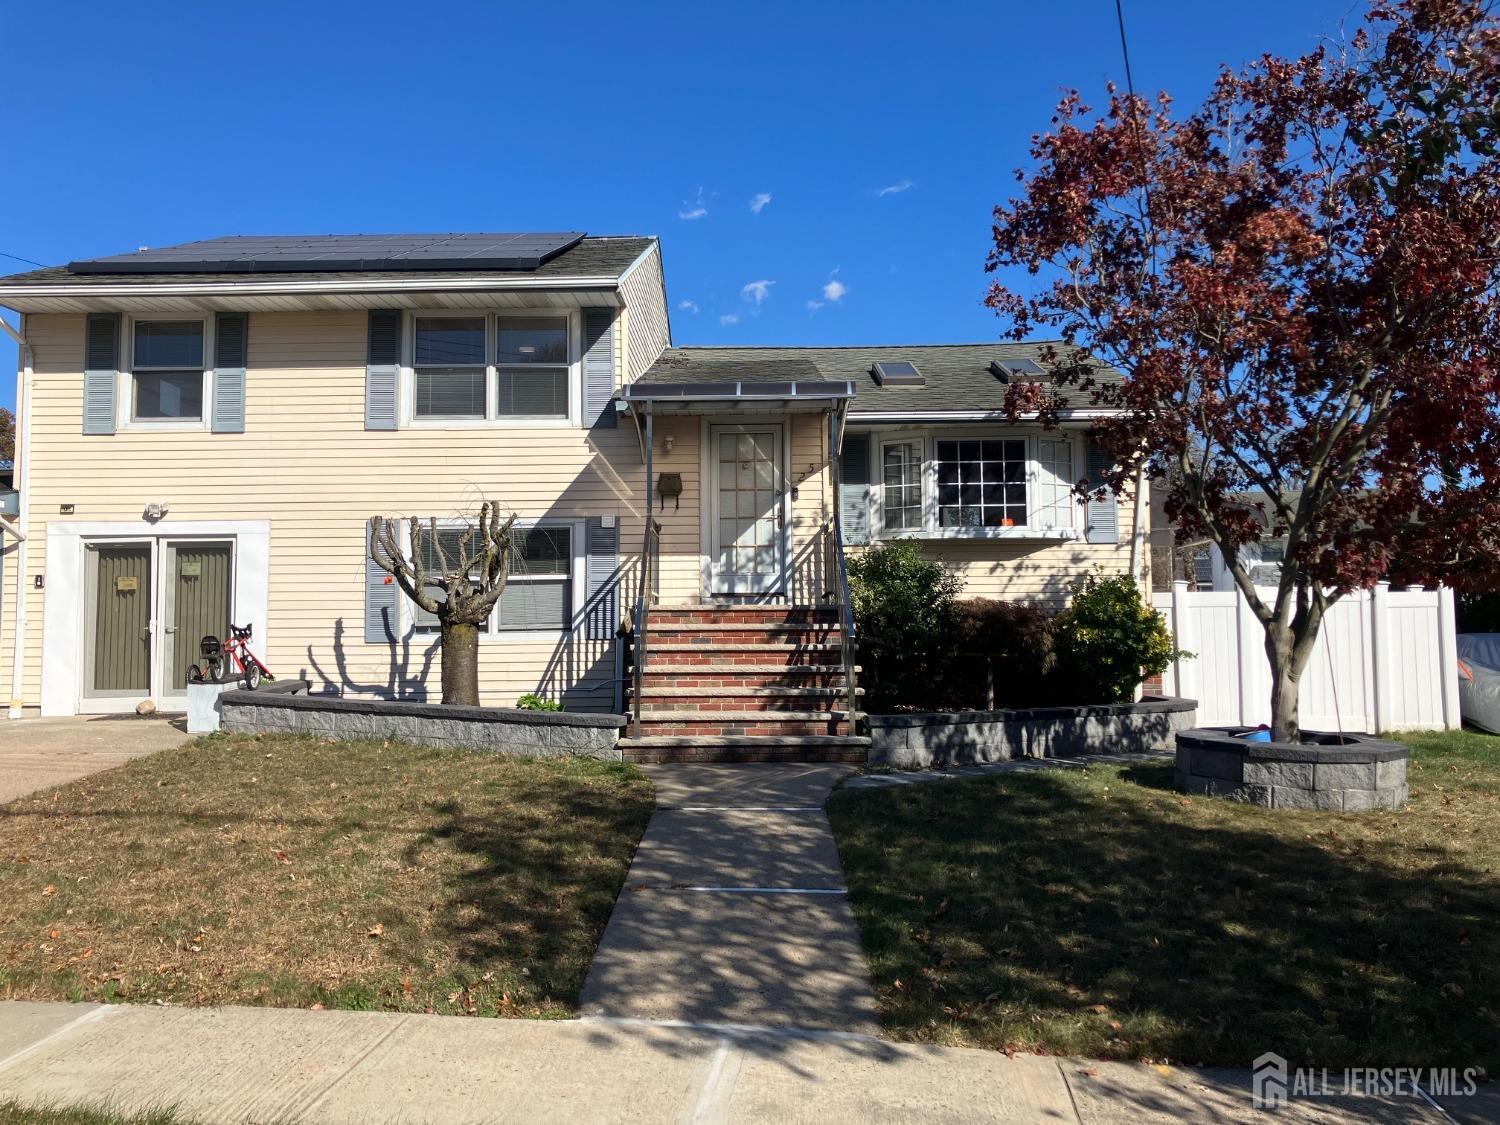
(24, 360)
(1138, 532)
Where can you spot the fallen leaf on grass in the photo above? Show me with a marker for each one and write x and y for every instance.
(281, 856)
(51, 890)
(316, 1008)
(377, 929)
(1100, 1008)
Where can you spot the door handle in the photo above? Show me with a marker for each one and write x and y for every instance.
(170, 629)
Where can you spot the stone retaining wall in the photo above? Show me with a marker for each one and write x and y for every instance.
(955, 738)
(1368, 773)
(530, 734)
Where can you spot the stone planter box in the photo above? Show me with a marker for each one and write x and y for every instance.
(1361, 773)
(960, 738)
(505, 730)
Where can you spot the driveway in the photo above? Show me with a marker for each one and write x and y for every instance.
(40, 753)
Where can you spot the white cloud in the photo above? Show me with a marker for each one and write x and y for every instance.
(893, 189)
(758, 204)
(814, 306)
(834, 290)
(756, 291)
(693, 209)
(688, 306)
(729, 318)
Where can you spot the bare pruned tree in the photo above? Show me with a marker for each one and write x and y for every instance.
(456, 572)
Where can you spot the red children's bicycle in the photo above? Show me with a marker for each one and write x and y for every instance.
(223, 663)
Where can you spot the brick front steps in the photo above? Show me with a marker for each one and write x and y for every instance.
(739, 683)
(729, 748)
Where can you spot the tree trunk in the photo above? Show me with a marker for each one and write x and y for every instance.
(1286, 684)
(460, 664)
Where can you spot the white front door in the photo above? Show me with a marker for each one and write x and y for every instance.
(747, 534)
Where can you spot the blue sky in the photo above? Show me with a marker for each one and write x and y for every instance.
(819, 173)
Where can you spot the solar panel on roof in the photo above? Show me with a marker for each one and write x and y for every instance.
(898, 373)
(294, 253)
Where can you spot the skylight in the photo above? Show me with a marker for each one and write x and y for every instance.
(898, 373)
(1026, 369)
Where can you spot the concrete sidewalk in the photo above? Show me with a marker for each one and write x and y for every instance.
(37, 754)
(231, 1065)
(734, 910)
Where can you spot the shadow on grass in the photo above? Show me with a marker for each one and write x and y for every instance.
(1098, 913)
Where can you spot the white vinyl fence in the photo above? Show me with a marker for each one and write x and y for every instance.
(1385, 660)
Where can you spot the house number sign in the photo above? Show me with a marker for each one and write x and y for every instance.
(127, 584)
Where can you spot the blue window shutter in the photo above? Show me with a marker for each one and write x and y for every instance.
(1103, 514)
(382, 365)
(101, 366)
(599, 367)
(601, 563)
(381, 599)
(231, 347)
(854, 493)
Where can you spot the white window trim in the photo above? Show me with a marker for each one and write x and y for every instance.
(930, 529)
(491, 420)
(577, 580)
(125, 418)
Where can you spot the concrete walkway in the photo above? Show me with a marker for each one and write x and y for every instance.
(40, 753)
(230, 1065)
(734, 910)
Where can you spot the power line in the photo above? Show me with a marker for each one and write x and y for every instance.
(17, 257)
(1124, 48)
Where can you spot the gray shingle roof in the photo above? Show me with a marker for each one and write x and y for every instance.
(958, 375)
(596, 256)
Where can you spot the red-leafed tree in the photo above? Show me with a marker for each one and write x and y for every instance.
(1299, 283)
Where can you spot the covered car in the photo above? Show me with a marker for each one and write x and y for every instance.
(1479, 680)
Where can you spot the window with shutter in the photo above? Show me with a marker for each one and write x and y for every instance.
(531, 367)
(448, 367)
(167, 371)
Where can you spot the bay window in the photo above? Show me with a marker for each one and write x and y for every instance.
(944, 485)
(981, 483)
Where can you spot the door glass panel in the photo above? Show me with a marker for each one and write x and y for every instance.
(201, 595)
(749, 540)
(122, 619)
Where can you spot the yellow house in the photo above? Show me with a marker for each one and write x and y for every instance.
(205, 431)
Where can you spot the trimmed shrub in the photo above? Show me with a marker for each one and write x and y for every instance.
(1011, 644)
(903, 607)
(1108, 641)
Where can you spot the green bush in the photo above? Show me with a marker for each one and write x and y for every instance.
(1011, 644)
(531, 701)
(1108, 641)
(903, 608)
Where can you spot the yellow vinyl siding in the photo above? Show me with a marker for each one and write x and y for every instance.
(306, 463)
(647, 331)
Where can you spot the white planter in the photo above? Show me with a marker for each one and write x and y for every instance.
(203, 706)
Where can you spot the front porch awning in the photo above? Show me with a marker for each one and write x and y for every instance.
(794, 396)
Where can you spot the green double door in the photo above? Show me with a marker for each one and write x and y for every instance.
(149, 603)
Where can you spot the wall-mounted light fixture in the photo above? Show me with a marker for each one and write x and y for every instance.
(668, 441)
(155, 511)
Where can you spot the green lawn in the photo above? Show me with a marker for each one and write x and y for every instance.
(300, 871)
(14, 1113)
(1098, 912)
